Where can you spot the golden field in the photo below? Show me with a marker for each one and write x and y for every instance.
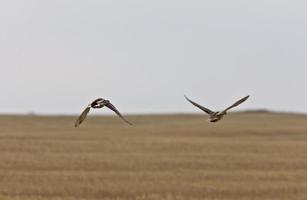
(259, 156)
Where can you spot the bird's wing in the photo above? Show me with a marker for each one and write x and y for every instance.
(82, 116)
(208, 111)
(112, 107)
(236, 104)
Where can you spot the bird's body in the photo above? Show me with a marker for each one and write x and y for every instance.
(98, 103)
(217, 116)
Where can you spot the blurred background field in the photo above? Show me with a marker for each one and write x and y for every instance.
(248, 155)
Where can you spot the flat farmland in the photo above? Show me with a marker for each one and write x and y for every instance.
(259, 156)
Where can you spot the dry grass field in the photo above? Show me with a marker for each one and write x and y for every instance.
(259, 156)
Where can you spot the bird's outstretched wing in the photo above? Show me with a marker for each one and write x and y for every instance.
(236, 104)
(208, 111)
(82, 116)
(113, 108)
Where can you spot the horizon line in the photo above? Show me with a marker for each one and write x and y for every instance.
(157, 113)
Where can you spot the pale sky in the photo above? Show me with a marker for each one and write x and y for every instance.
(57, 56)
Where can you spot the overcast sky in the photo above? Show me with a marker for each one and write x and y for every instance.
(57, 56)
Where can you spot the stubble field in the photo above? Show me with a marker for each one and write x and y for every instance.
(259, 156)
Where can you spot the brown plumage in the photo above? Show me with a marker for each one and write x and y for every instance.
(217, 116)
(99, 103)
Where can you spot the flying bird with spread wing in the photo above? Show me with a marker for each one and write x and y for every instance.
(99, 103)
(216, 116)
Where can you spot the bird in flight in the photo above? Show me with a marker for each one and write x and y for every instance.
(98, 103)
(217, 116)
